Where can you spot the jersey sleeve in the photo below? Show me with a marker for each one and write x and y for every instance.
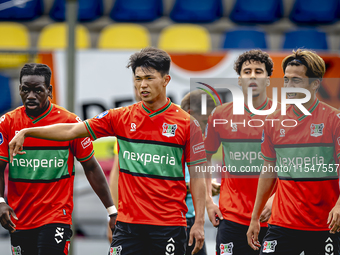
(103, 124)
(212, 139)
(194, 147)
(4, 138)
(268, 152)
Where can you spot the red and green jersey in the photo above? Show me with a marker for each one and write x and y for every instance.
(153, 147)
(306, 157)
(240, 136)
(40, 185)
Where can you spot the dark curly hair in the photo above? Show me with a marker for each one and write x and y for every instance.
(37, 69)
(257, 56)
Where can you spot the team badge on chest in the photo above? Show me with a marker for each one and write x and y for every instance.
(316, 129)
(169, 130)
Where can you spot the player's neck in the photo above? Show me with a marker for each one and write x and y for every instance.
(257, 101)
(153, 106)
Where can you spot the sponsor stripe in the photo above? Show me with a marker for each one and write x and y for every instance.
(43, 116)
(145, 109)
(152, 176)
(308, 179)
(241, 140)
(40, 181)
(86, 158)
(89, 129)
(196, 162)
(268, 158)
(304, 145)
(161, 111)
(150, 142)
(4, 158)
(48, 148)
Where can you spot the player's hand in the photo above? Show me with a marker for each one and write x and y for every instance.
(253, 234)
(112, 222)
(334, 219)
(214, 213)
(5, 217)
(215, 187)
(16, 145)
(267, 210)
(197, 232)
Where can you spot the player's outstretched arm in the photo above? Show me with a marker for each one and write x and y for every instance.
(265, 187)
(5, 210)
(197, 184)
(213, 210)
(57, 132)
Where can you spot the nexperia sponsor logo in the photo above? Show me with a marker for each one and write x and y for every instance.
(37, 163)
(145, 158)
(299, 162)
(250, 156)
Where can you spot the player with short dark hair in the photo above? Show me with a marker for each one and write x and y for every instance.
(303, 159)
(241, 147)
(155, 139)
(40, 185)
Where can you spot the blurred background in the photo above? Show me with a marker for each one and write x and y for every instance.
(87, 44)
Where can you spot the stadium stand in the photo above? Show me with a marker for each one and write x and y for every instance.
(124, 36)
(244, 39)
(14, 36)
(194, 11)
(315, 11)
(136, 10)
(54, 36)
(21, 10)
(249, 11)
(305, 38)
(185, 38)
(88, 10)
(5, 95)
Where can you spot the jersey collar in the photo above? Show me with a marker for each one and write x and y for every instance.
(154, 113)
(261, 107)
(43, 115)
(311, 109)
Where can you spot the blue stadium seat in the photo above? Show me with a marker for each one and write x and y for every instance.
(315, 11)
(194, 11)
(244, 39)
(136, 10)
(250, 11)
(305, 38)
(88, 10)
(5, 95)
(16, 11)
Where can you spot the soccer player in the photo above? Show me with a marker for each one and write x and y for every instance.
(40, 186)
(191, 103)
(241, 148)
(306, 208)
(155, 140)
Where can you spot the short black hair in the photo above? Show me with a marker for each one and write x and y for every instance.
(37, 69)
(150, 57)
(256, 56)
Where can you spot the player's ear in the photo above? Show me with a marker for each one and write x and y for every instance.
(268, 81)
(167, 79)
(50, 88)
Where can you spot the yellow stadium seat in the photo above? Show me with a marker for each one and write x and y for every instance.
(54, 36)
(185, 38)
(14, 36)
(124, 36)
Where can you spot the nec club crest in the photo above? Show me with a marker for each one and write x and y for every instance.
(226, 249)
(316, 129)
(116, 250)
(269, 246)
(169, 130)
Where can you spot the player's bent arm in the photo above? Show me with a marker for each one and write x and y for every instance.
(198, 192)
(5, 210)
(113, 181)
(265, 187)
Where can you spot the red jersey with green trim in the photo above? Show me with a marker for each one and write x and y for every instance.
(240, 136)
(306, 159)
(40, 185)
(153, 147)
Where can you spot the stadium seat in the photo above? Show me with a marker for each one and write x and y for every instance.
(20, 11)
(315, 11)
(250, 11)
(124, 36)
(88, 10)
(192, 11)
(136, 10)
(5, 95)
(14, 36)
(185, 38)
(305, 38)
(244, 39)
(54, 36)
